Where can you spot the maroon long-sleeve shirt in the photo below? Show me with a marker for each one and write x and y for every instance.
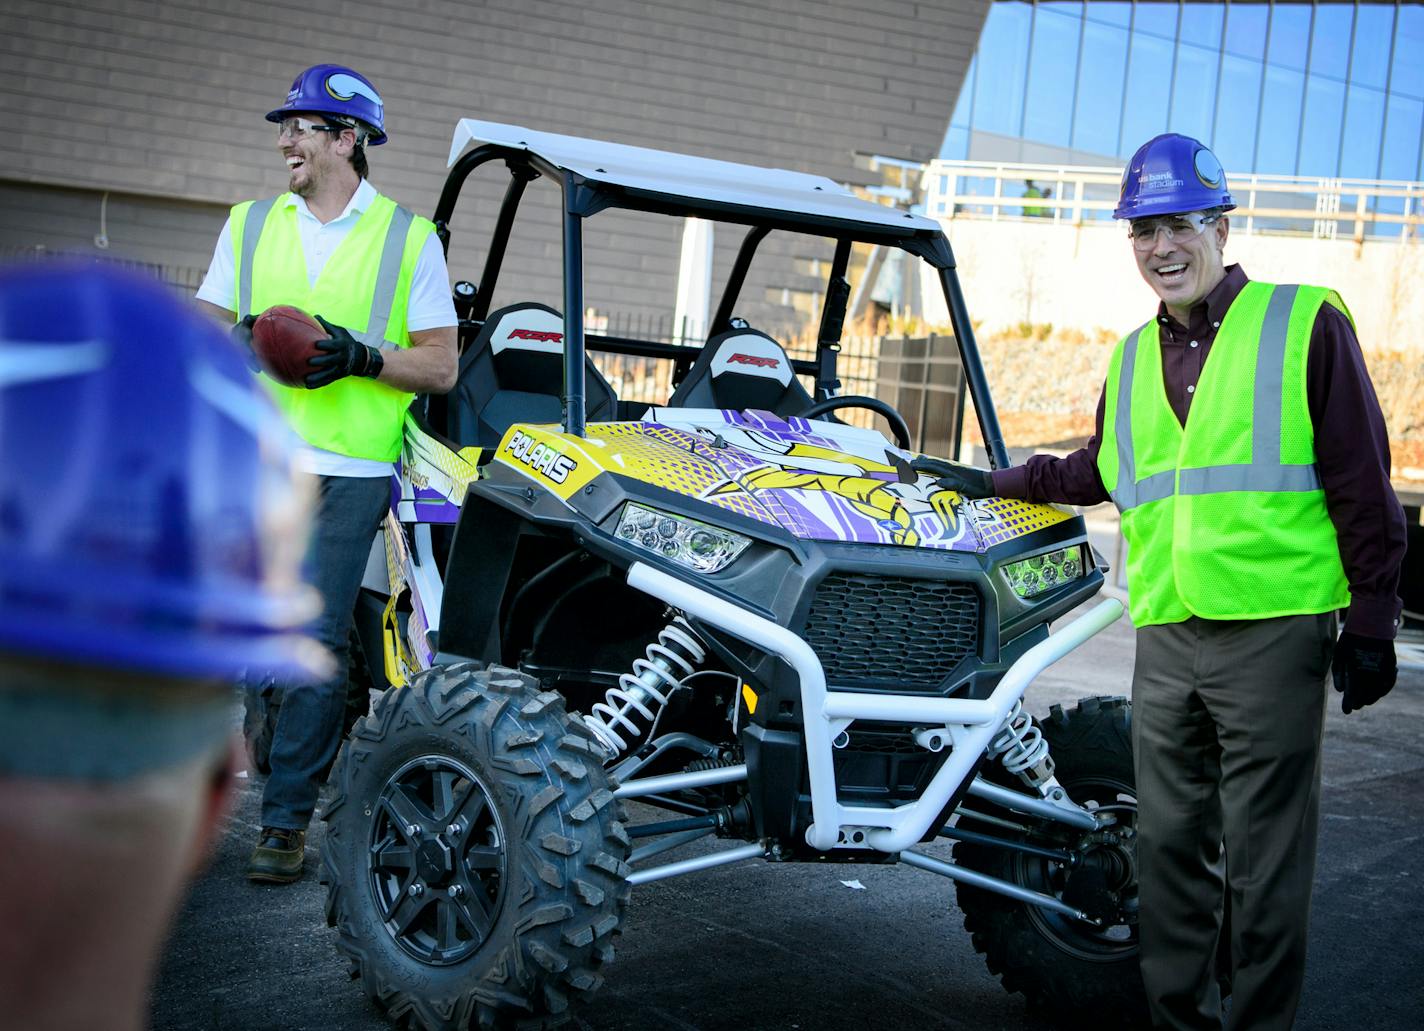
(1351, 449)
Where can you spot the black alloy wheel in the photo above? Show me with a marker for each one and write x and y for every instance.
(437, 860)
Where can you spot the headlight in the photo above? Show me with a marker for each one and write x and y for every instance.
(1034, 576)
(698, 546)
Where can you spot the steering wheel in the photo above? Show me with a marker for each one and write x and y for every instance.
(898, 426)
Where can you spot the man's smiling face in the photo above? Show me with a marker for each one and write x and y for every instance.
(1184, 269)
(308, 156)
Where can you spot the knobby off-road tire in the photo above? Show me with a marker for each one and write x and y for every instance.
(485, 792)
(1069, 971)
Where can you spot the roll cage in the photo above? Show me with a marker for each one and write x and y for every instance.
(594, 176)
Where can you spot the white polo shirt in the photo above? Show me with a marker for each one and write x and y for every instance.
(430, 305)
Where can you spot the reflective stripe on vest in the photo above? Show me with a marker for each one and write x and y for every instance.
(1265, 473)
(387, 278)
(251, 233)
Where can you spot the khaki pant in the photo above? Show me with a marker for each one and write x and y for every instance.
(1226, 725)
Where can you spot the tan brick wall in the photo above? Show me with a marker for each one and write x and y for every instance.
(165, 100)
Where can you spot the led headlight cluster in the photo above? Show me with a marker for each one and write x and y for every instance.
(698, 546)
(1034, 576)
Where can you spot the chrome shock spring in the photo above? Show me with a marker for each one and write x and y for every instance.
(667, 662)
(1021, 747)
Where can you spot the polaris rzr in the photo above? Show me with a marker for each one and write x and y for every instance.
(771, 629)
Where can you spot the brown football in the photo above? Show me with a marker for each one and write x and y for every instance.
(283, 338)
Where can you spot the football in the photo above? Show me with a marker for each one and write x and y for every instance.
(283, 338)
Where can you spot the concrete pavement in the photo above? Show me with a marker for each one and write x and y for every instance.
(793, 948)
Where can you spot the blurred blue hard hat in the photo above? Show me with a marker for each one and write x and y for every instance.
(338, 91)
(1172, 174)
(149, 517)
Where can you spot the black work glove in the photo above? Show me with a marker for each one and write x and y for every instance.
(968, 481)
(344, 356)
(241, 334)
(1364, 670)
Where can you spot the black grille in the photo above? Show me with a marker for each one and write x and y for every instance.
(891, 631)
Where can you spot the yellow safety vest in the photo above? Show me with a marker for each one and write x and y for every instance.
(364, 286)
(1224, 517)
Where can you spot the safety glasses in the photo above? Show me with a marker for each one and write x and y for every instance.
(1143, 232)
(301, 128)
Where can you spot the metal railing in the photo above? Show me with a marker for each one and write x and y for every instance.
(1320, 208)
(186, 278)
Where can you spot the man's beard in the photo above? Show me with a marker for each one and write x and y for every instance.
(304, 189)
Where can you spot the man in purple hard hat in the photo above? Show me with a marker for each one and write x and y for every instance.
(1255, 498)
(374, 275)
(150, 523)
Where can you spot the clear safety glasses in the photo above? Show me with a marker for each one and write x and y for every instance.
(301, 128)
(1143, 232)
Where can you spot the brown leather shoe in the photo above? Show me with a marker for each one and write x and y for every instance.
(277, 859)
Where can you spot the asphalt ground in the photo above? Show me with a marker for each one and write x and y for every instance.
(795, 948)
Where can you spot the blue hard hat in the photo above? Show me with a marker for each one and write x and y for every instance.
(1169, 175)
(150, 520)
(338, 91)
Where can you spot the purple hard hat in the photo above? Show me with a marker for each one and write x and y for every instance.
(1169, 175)
(150, 520)
(337, 91)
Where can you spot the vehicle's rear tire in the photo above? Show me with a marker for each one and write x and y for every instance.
(484, 792)
(358, 683)
(1079, 975)
(260, 712)
(259, 724)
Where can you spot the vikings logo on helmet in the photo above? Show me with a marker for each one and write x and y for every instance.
(344, 87)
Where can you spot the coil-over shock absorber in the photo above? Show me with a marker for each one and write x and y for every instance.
(1021, 747)
(668, 661)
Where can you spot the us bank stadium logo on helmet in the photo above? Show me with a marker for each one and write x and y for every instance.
(344, 86)
(540, 457)
(1158, 181)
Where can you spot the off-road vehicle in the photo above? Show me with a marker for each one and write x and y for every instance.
(773, 630)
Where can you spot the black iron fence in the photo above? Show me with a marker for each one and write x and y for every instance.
(921, 377)
(184, 278)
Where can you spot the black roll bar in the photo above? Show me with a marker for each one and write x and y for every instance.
(973, 369)
(520, 175)
(722, 321)
(828, 336)
(450, 192)
(573, 395)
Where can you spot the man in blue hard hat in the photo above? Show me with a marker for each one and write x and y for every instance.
(1255, 498)
(147, 516)
(374, 274)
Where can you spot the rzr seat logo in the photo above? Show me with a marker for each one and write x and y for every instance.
(540, 335)
(540, 457)
(752, 359)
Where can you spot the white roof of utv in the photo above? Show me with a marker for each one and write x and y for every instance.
(695, 179)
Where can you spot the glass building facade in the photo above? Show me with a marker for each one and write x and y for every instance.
(1330, 90)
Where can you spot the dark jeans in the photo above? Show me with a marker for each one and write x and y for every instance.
(1227, 718)
(348, 515)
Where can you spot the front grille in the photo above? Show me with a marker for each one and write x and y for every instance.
(891, 631)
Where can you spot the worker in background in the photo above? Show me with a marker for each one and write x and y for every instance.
(1032, 192)
(1240, 438)
(374, 274)
(147, 510)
